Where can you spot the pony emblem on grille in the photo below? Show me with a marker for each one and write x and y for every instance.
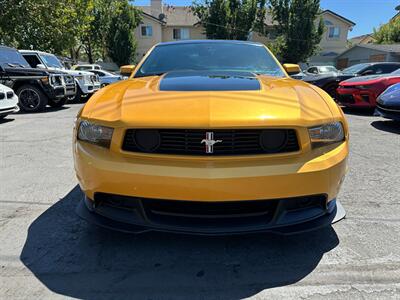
(210, 142)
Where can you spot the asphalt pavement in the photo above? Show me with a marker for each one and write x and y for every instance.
(47, 252)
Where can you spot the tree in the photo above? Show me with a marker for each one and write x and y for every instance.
(388, 33)
(36, 24)
(299, 31)
(121, 44)
(230, 19)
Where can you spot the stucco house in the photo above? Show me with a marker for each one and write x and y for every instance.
(363, 53)
(162, 23)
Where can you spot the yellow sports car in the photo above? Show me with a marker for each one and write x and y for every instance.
(210, 137)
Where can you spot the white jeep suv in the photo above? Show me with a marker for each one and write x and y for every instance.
(87, 83)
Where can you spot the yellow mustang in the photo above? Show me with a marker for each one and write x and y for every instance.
(210, 137)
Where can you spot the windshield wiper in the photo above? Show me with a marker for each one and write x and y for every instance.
(12, 65)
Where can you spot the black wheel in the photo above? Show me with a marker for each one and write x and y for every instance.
(78, 95)
(57, 102)
(31, 98)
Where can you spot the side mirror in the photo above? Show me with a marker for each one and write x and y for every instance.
(292, 69)
(127, 70)
(40, 66)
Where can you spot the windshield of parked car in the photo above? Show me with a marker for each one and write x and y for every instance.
(210, 57)
(355, 69)
(83, 68)
(12, 58)
(327, 69)
(51, 61)
(397, 72)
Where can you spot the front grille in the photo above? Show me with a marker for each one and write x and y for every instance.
(2, 95)
(10, 94)
(231, 141)
(346, 99)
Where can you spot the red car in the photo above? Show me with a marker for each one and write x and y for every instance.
(363, 91)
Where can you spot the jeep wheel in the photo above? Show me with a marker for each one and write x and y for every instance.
(57, 102)
(78, 95)
(31, 98)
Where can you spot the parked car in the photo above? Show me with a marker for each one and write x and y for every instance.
(87, 83)
(363, 91)
(300, 75)
(87, 67)
(320, 70)
(330, 82)
(218, 141)
(35, 88)
(388, 103)
(106, 77)
(8, 101)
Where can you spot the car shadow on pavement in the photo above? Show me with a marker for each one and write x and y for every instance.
(388, 126)
(45, 111)
(76, 259)
(6, 120)
(367, 112)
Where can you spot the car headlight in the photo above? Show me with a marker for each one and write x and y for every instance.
(95, 134)
(326, 134)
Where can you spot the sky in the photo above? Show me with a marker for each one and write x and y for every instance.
(367, 14)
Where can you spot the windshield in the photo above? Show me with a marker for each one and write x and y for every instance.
(397, 72)
(51, 61)
(355, 69)
(327, 69)
(12, 58)
(82, 68)
(210, 57)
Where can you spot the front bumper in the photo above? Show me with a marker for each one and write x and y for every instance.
(89, 88)
(388, 113)
(211, 180)
(356, 98)
(4, 111)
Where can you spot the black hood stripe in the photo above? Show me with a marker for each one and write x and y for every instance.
(209, 81)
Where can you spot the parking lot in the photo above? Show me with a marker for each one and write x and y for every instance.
(47, 251)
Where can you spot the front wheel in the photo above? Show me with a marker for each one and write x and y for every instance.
(31, 98)
(57, 102)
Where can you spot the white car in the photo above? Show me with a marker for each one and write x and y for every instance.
(87, 83)
(87, 67)
(8, 101)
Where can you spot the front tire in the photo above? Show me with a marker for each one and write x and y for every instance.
(31, 98)
(331, 90)
(57, 102)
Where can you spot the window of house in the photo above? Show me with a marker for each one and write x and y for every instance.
(334, 32)
(146, 30)
(181, 34)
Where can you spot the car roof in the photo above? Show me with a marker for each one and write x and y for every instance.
(208, 42)
(34, 51)
(6, 47)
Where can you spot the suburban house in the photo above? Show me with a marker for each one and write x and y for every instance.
(363, 53)
(161, 23)
(361, 39)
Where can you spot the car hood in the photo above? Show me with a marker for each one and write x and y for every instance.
(208, 101)
(71, 72)
(30, 71)
(370, 79)
(4, 88)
